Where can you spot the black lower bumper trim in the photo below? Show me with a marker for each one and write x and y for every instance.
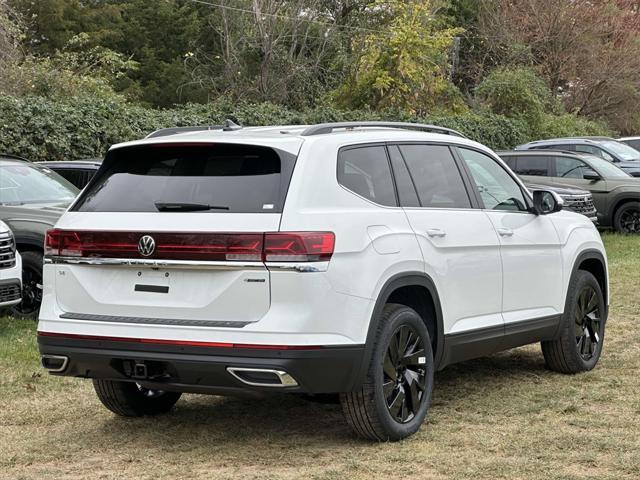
(204, 370)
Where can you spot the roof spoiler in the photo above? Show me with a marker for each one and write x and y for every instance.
(227, 126)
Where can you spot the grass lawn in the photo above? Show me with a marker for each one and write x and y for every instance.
(504, 416)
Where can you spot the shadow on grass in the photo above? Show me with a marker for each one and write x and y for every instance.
(216, 422)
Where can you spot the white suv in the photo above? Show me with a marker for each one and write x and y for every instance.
(352, 259)
(10, 269)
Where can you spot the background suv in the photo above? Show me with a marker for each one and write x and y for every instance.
(32, 198)
(609, 149)
(575, 199)
(351, 259)
(78, 172)
(10, 269)
(616, 194)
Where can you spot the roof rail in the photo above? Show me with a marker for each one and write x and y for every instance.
(324, 128)
(227, 126)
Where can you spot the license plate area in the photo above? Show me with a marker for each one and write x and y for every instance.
(152, 281)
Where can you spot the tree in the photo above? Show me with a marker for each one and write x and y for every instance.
(286, 52)
(404, 64)
(588, 52)
(10, 50)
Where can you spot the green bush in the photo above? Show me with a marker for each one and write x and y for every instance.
(44, 129)
(515, 92)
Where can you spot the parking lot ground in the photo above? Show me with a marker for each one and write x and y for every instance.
(504, 416)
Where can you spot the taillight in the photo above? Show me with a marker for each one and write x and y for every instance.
(298, 246)
(270, 247)
(63, 243)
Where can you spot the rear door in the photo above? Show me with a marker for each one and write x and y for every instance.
(458, 242)
(173, 234)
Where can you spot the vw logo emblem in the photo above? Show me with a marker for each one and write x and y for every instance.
(146, 245)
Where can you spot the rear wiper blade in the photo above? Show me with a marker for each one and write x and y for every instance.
(186, 207)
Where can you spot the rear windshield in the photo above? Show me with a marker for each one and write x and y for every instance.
(219, 178)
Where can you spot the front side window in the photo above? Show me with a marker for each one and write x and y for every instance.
(570, 167)
(536, 165)
(365, 171)
(24, 183)
(436, 176)
(498, 190)
(597, 151)
(606, 169)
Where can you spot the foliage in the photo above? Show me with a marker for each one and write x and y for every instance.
(515, 92)
(404, 66)
(77, 68)
(10, 50)
(41, 128)
(587, 52)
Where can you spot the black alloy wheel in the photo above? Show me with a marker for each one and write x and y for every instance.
(404, 373)
(394, 399)
(588, 322)
(630, 221)
(580, 340)
(627, 218)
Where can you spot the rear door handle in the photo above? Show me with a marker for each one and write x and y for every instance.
(436, 232)
(505, 232)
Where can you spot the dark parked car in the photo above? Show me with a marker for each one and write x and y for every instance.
(609, 149)
(633, 142)
(575, 199)
(615, 193)
(78, 172)
(32, 197)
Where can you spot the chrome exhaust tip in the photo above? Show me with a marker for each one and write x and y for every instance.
(54, 363)
(263, 377)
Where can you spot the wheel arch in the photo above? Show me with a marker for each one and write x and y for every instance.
(407, 289)
(594, 262)
(618, 202)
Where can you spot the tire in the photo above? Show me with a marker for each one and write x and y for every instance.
(371, 411)
(582, 328)
(128, 399)
(29, 308)
(627, 218)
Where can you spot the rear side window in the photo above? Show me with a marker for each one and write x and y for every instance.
(633, 143)
(597, 151)
(406, 189)
(511, 161)
(191, 178)
(436, 176)
(366, 171)
(536, 165)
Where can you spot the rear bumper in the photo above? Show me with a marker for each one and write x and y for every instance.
(199, 369)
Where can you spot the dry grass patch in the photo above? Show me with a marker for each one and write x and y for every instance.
(504, 416)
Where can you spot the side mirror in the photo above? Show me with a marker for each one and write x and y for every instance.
(546, 202)
(592, 175)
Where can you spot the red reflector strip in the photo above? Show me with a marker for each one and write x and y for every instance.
(179, 342)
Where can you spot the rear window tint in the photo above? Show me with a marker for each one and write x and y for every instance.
(225, 177)
(365, 171)
(537, 165)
